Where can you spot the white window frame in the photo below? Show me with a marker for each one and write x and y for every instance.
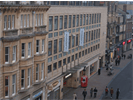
(13, 21)
(9, 22)
(42, 71)
(41, 19)
(5, 22)
(28, 20)
(37, 72)
(23, 79)
(7, 86)
(21, 21)
(13, 84)
(37, 46)
(29, 49)
(25, 20)
(39, 15)
(36, 18)
(23, 50)
(14, 54)
(43, 42)
(29, 74)
(7, 54)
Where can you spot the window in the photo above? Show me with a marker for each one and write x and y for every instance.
(39, 15)
(72, 57)
(29, 49)
(86, 36)
(69, 42)
(92, 35)
(95, 19)
(50, 23)
(79, 54)
(61, 22)
(13, 21)
(73, 38)
(6, 54)
(99, 18)
(80, 20)
(23, 50)
(55, 46)
(5, 22)
(49, 69)
(50, 48)
(99, 33)
(56, 23)
(24, 20)
(65, 21)
(88, 50)
(22, 79)
(64, 61)
(77, 23)
(76, 56)
(87, 19)
(90, 19)
(13, 84)
(85, 51)
(36, 19)
(41, 19)
(68, 60)
(82, 53)
(21, 21)
(29, 73)
(73, 20)
(89, 35)
(91, 49)
(69, 21)
(28, 20)
(59, 64)
(37, 72)
(43, 45)
(37, 46)
(42, 71)
(84, 19)
(55, 66)
(6, 86)
(60, 44)
(14, 53)
(96, 47)
(9, 22)
(76, 39)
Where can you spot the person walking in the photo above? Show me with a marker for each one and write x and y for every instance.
(74, 96)
(106, 91)
(111, 91)
(116, 62)
(117, 93)
(84, 93)
(124, 56)
(91, 92)
(99, 71)
(95, 92)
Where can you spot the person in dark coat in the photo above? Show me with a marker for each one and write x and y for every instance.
(116, 62)
(84, 93)
(106, 91)
(120, 58)
(95, 92)
(99, 71)
(124, 56)
(111, 91)
(117, 93)
(91, 92)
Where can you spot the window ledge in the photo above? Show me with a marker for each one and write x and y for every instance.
(22, 90)
(13, 94)
(10, 30)
(24, 28)
(41, 26)
(40, 54)
(37, 82)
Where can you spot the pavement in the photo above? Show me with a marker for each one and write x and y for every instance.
(98, 81)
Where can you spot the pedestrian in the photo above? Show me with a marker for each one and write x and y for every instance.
(91, 92)
(106, 91)
(116, 62)
(84, 93)
(111, 91)
(95, 92)
(117, 93)
(120, 58)
(124, 56)
(74, 96)
(99, 71)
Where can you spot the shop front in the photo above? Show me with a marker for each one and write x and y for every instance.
(38, 95)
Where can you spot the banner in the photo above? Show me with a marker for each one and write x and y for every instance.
(66, 41)
(81, 41)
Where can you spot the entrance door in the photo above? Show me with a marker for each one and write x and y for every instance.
(39, 98)
(57, 93)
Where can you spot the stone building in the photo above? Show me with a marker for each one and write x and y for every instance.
(34, 62)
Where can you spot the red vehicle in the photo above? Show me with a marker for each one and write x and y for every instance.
(84, 81)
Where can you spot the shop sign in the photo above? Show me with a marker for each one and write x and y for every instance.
(36, 95)
(128, 41)
(55, 83)
(123, 43)
(66, 41)
(50, 87)
(81, 42)
(68, 75)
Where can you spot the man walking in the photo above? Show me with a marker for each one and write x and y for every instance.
(99, 71)
(84, 93)
(116, 62)
(95, 92)
(117, 93)
(111, 91)
(91, 92)
(106, 91)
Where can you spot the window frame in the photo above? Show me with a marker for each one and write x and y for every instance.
(13, 85)
(42, 71)
(6, 96)
(5, 22)
(9, 22)
(23, 51)
(13, 21)
(43, 42)
(29, 75)
(22, 78)
(14, 53)
(6, 62)
(29, 49)
(37, 72)
(37, 46)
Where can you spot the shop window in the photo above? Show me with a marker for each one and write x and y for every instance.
(37, 72)
(82, 53)
(29, 74)
(68, 60)
(76, 56)
(49, 68)
(6, 55)
(37, 46)
(64, 61)
(59, 64)
(72, 57)
(79, 54)
(22, 79)
(55, 66)
(13, 85)
(6, 86)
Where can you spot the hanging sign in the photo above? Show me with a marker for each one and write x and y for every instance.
(66, 41)
(81, 41)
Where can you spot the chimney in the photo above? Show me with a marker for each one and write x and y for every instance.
(124, 7)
